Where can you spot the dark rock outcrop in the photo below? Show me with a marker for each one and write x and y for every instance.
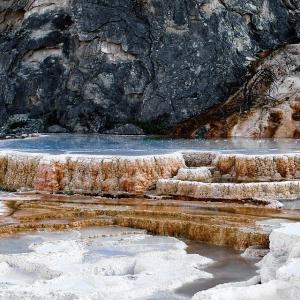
(90, 65)
(127, 129)
(56, 129)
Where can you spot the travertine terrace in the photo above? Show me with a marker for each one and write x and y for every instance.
(197, 175)
(220, 199)
(234, 225)
(160, 184)
(235, 177)
(85, 174)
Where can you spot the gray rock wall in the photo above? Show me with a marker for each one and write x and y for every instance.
(95, 65)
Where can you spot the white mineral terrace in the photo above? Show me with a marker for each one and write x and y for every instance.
(123, 263)
(110, 263)
(105, 263)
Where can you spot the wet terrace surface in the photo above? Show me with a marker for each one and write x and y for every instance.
(231, 225)
(238, 225)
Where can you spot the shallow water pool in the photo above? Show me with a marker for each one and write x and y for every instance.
(144, 145)
(113, 263)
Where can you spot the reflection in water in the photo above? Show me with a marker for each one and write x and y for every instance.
(291, 204)
(229, 266)
(142, 145)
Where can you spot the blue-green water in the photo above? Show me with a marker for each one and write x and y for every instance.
(145, 145)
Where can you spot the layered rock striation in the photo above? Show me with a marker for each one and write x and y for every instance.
(93, 66)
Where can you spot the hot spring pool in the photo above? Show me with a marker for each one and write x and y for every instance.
(144, 145)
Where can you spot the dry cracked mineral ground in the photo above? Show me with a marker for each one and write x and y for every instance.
(103, 217)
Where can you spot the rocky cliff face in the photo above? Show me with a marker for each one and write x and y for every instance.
(93, 66)
(268, 105)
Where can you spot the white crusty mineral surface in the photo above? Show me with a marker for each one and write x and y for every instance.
(104, 263)
(202, 174)
(216, 190)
